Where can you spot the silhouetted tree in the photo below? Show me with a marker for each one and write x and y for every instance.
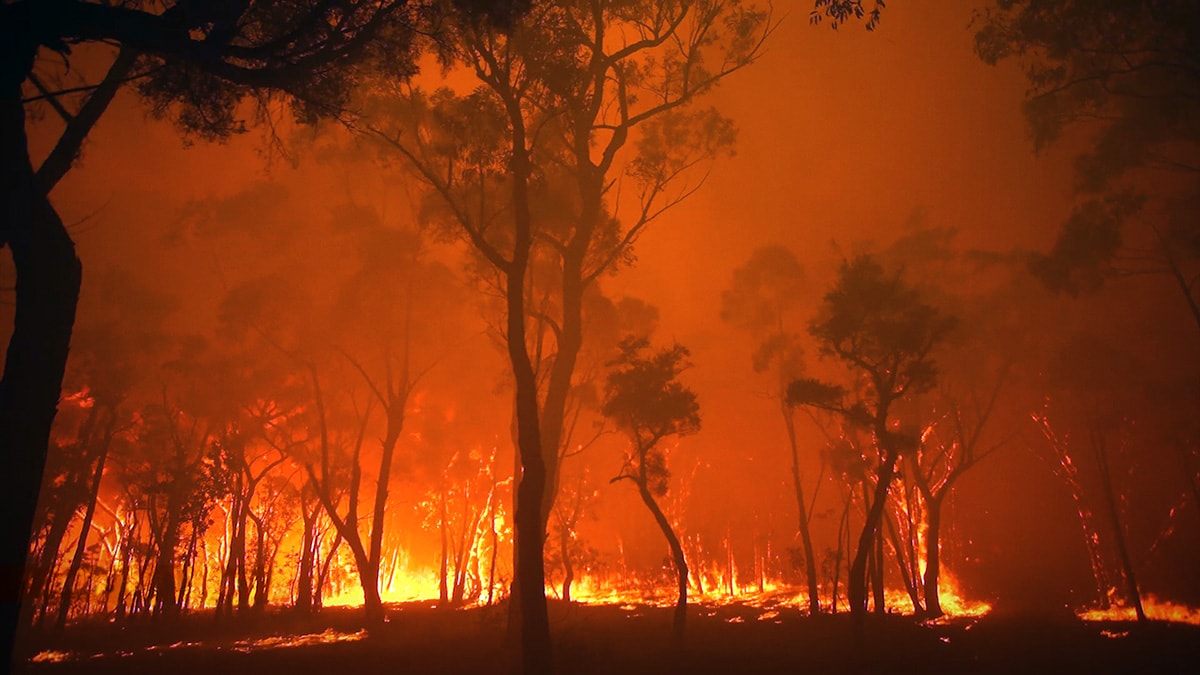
(885, 333)
(566, 93)
(1128, 75)
(645, 399)
(759, 299)
(210, 56)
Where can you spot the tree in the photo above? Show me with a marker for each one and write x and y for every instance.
(942, 458)
(884, 332)
(759, 300)
(645, 399)
(1128, 75)
(1105, 404)
(212, 55)
(562, 99)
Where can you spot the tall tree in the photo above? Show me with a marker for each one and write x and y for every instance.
(646, 401)
(569, 94)
(885, 333)
(760, 300)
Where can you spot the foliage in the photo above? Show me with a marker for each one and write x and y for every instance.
(875, 322)
(646, 400)
(1127, 74)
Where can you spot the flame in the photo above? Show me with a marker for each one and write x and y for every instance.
(328, 636)
(1157, 610)
(407, 585)
(52, 656)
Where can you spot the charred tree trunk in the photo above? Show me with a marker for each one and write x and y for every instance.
(47, 290)
(564, 544)
(444, 563)
(908, 574)
(681, 568)
(810, 563)
(164, 570)
(529, 526)
(1110, 499)
(64, 604)
(866, 542)
(304, 578)
(877, 585)
(933, 515)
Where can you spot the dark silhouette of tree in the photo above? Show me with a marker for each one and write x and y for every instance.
(760, 298)
(569, 550)
(950, 446)
(114, 347)
(208, 56)
(1101, 406)
(645, 400)
(884, 332)
(1128, 75)
(546, 115)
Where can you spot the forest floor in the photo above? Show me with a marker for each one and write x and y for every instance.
(730, 638)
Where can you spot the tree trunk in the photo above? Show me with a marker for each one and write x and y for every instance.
(933, 516)
(681, 568)
(564, 544)
(48, 276)
(1110, 499)
(908, 575)
(64, 604)
(529, 526)
(444, 562)
(810, 563)
(164, 571)
(866, 542)
(304, 578)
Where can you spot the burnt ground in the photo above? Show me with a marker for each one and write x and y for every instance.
(735, 638)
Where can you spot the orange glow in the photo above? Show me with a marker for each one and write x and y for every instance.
(1156, 610)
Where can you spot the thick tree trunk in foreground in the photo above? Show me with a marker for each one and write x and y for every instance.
(47, 290)
(528, 524)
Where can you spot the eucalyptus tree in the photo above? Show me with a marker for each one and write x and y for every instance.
(761, 299)
(1126, 77)
(646, 401)
(885, 333)
(589, 95)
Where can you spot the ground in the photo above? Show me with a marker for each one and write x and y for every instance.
(733, 638)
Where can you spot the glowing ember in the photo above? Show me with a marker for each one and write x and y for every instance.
(329, 636)
(51, 656)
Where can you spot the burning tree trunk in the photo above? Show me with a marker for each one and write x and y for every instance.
(1064, 467)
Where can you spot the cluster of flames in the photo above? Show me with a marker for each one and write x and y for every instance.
(718, 589)
(1156, 609)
